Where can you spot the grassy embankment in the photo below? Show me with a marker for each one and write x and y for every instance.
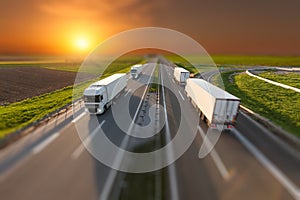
(291, 78)
(17, 115)
(280, 105)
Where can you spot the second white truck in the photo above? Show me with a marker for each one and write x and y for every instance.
(136, 70)
(217, 107)
(181, 75)
(99, 95)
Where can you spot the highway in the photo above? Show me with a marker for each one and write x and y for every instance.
(248, 162)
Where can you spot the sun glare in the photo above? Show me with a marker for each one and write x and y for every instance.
(82, 43)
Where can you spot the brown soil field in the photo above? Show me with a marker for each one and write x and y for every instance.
(20, 83)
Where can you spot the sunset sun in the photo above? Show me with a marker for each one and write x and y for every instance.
(82, 43)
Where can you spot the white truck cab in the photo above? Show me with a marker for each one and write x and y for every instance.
(136, 70)
(99, 95)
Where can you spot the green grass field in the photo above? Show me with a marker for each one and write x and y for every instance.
(17, 115)
(279, 105)
(291, 78)
(257, 60)
(241, 61)
(70, 66)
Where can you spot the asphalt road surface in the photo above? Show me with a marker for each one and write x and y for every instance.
(248, 162)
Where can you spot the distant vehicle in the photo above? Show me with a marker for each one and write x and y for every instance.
(136, 70)
(99, 95)
(181, 75)
(217, 107)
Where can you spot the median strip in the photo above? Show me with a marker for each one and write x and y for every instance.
(170, 156)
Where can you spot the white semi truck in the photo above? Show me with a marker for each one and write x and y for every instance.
(99, 95)
(216, 106)
(181, 75)
(136, 70)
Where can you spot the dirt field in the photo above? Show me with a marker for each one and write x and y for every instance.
(20, 83)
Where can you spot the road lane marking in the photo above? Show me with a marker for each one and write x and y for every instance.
(45, 143)
(272, 136)
(216, 158)
(171, 168)
(79, 117)
(109, 183)
(181, 95)
(264, 161)
(127, 92)
(78, 151)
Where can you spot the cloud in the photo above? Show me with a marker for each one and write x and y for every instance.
(130, 11)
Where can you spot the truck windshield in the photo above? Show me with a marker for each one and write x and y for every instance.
(92, 99)
(95, 86)
(133, 71)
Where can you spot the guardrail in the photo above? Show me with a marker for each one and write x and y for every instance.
(74, 107)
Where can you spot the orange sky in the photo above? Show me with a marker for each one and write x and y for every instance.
(222, 27)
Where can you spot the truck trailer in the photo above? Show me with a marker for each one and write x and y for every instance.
(136, 70)
(181, 75)
(216, 106)
(99, 95)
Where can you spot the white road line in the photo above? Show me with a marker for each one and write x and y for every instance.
(282, 143)
(78, 151)
(171, 169)
(216, 158)
(44, 144)
(264, 161)
(127, 92)
(181, 95)
(118, 160)
(79, 117)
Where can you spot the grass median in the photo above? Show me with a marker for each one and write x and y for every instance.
(18, 115)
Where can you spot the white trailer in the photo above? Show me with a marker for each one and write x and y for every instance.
(99, 95)
(136, 70)
(217, 107)
(181, 75)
